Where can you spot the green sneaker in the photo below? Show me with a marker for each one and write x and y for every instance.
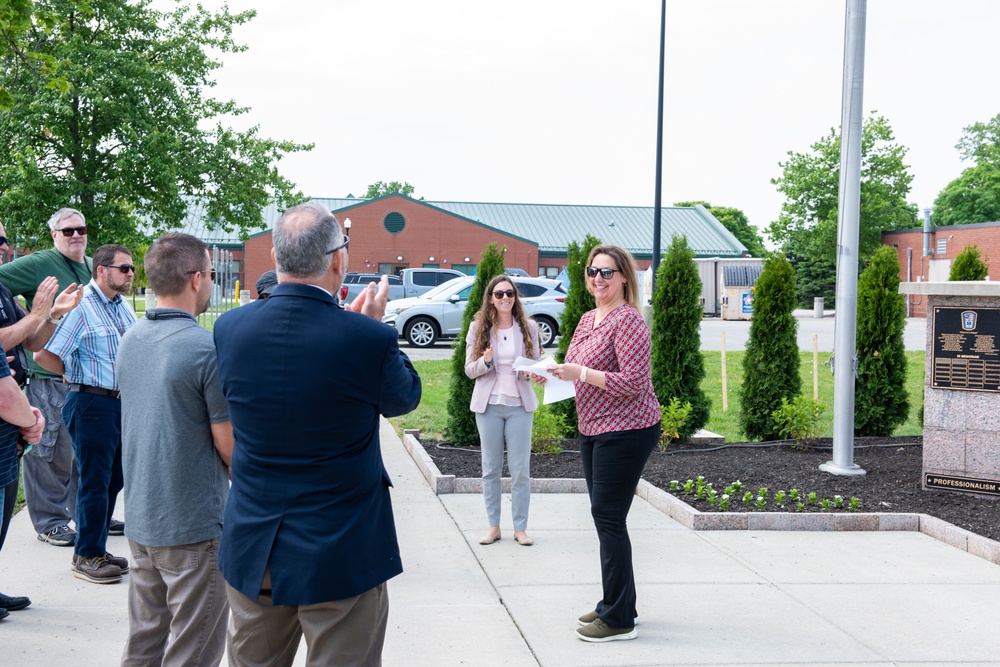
(592, 616)
(599, 631)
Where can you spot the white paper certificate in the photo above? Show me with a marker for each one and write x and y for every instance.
(555, 388)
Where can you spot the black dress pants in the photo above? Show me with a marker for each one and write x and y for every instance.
(612, 465)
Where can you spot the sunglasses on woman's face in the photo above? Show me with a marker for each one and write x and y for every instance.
(500, 293)
(607, 274)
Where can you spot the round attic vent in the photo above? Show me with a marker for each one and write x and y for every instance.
(394, 223)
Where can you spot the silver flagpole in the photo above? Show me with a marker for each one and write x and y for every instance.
(845, 331)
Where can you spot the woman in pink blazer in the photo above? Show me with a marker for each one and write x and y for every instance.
(503, 400)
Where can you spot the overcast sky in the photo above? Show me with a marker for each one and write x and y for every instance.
(554, 101)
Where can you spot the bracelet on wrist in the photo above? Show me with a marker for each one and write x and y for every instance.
(583, 374)
(53, 320)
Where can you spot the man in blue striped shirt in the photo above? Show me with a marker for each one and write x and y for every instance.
(83, 348)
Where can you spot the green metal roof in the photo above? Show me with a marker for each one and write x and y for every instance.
(553, 226)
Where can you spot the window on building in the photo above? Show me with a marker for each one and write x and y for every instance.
(467, 269)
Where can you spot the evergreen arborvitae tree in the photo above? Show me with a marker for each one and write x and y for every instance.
(677, 365)
(771, 361)
(880, 400)
(578, 301)
(461, 428)
(968, 265)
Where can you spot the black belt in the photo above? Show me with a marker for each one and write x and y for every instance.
(100, 391)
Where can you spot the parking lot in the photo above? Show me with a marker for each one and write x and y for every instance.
(737, 332)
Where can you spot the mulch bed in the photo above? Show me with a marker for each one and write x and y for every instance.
(892, 482)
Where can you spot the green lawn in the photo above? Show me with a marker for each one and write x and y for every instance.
(431, 415)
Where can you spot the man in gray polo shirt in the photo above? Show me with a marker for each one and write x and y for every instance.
(176, 449)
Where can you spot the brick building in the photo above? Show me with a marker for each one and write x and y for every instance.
(393, 233)
(941, 245)
(396, 232)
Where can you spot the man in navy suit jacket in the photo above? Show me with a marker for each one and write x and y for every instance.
(308, 540)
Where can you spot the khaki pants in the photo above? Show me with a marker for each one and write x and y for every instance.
(176, 606)
(340, 633)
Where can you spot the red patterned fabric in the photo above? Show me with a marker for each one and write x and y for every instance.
(619, 347)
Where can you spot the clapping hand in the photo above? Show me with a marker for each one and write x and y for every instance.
(372, 300)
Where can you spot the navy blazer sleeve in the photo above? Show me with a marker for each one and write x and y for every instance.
(401, 387)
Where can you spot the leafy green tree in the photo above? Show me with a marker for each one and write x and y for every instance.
(578, 302)
(814, 276)
(381, 189)
(677, 365)
(461, 427)
(972, 197)
(881, 402)
(969, 265)
(806, 229)
(771, 360)
(737, 223)
(131, 139)
(16, 24)
(975, 195)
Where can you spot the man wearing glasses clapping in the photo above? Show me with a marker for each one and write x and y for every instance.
(50, 477)
(83, 348)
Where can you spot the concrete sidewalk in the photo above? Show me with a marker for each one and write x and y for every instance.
(705, 598)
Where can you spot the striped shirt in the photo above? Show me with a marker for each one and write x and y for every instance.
(87, 339)
(619, 346)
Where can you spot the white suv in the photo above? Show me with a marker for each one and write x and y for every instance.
(438, 313)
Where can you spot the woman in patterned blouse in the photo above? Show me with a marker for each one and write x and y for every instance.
(619, 423)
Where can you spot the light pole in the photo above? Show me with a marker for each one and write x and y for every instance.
(659, 149)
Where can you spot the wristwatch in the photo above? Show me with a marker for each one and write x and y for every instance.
(54, 320)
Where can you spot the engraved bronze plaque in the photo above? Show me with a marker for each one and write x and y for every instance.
(968, 484)
(964, 353)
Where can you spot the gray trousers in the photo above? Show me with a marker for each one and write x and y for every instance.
(177, 606)
(339, 633)
(497, 425)
(50, 475)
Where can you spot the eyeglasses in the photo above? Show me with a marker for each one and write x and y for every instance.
(607, 274)
(347, 241)
(3, 241)
(501, 293)
(69, 231)
(124, 268)
(210, 272)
